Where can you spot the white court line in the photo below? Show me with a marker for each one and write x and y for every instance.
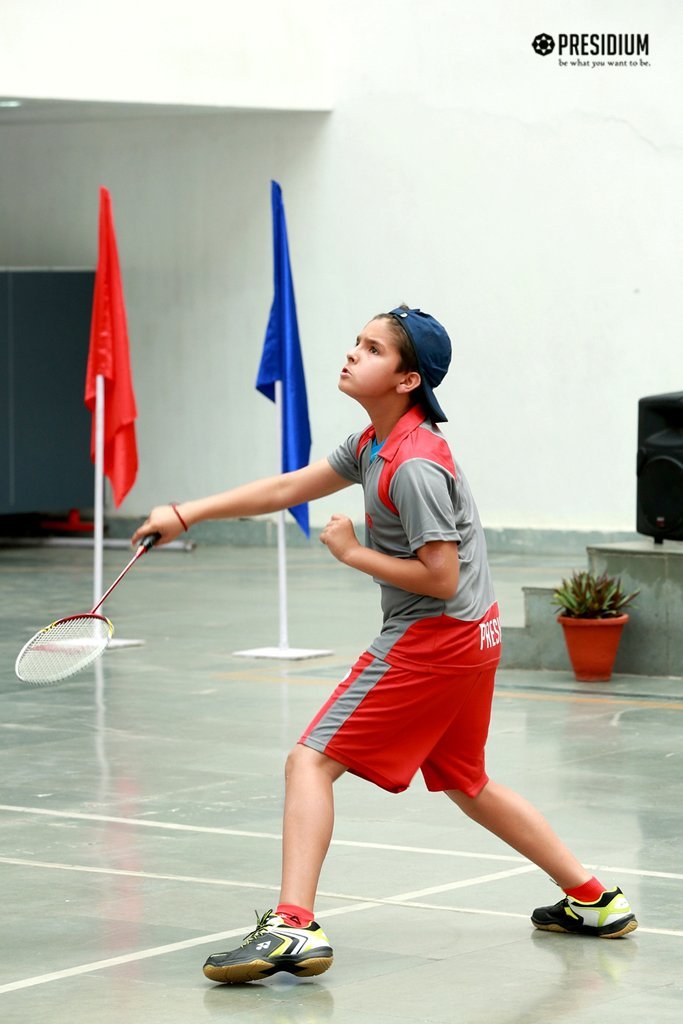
(87, 869)
(115, 961)
(174, 947)
(463, 884)
(640, 872)
(403, 899)
(435, 851)
(205, 829)
(406, 899)
(145, 954)
(144, 822)
(509, 858)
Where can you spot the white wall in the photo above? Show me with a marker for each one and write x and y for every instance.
(191, 200)
(534, 209)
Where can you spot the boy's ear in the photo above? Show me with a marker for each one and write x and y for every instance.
(411, 381)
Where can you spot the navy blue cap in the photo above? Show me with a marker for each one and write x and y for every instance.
(433, 350)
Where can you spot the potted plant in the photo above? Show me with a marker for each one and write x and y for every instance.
(592, 617)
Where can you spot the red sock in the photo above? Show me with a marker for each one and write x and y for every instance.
(297, 917)
(588, 892)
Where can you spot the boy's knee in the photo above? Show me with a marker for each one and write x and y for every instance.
(305, 759)
(294, 759)
(459, 798)
(466, 802)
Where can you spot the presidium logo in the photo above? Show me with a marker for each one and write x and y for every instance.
(543, 44)
(595, 49)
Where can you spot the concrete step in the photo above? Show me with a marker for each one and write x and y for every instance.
(652, 641)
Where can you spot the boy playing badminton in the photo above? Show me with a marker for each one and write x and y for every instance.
(420, 696)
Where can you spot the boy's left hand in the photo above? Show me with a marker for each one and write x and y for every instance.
(340, 537)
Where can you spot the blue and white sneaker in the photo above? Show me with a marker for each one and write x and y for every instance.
(609, 917)
(273, 946)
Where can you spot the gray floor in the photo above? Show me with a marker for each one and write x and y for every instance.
(141, 812)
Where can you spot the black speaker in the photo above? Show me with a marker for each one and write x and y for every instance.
(660, 467)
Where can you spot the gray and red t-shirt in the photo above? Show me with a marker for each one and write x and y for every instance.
(415, 493)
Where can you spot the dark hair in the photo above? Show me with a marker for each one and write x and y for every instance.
(406, 351)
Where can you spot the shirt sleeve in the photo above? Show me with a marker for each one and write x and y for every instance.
(344, 460)
(425, 495)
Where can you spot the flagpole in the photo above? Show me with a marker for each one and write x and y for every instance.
(281, 539)
(282, 580)
(99, 488)
(283, 650)
(281, 379)
(98, 546)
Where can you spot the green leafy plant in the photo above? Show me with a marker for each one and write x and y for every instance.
(587, 596)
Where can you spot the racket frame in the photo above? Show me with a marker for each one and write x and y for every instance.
(30, 644)
(145, 544)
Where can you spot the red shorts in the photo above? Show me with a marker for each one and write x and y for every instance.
(383, 722)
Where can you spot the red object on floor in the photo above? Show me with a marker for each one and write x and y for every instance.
(72, 524)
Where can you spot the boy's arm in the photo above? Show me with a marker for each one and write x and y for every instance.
(434, 572)
(268, 495)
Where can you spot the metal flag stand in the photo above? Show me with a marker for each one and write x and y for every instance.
(283, 650)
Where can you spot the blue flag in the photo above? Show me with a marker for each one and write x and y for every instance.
(281, 358)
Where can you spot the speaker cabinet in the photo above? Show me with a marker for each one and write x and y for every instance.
(660, 467)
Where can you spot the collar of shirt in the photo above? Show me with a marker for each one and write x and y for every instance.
(409, 422)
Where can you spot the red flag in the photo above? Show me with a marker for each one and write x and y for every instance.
(109, 355)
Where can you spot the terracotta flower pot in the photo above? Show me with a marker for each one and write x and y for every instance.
(592, 645)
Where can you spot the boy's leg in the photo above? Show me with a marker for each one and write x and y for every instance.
(308, 822)
(588, 908)
(517, 822)
(282, 941)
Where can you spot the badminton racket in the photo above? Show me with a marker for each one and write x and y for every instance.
(74, 642)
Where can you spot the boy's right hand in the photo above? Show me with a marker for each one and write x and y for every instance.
(161, 519)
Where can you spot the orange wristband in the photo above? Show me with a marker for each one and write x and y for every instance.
(182, 521)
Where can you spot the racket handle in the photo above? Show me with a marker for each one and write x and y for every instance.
(149, 541)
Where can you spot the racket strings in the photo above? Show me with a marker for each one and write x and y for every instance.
(63, 648)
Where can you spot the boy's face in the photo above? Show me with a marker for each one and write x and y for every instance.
(371, 369)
